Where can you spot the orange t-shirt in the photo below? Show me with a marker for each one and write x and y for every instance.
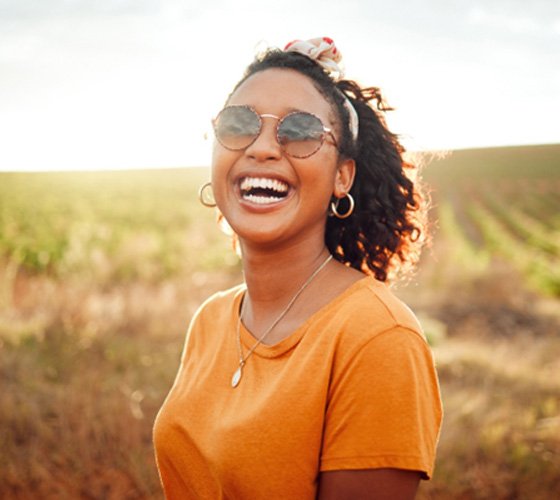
(354, 387)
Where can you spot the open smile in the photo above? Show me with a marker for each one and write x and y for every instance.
(263, 190)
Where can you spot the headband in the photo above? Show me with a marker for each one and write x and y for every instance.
(324, 52)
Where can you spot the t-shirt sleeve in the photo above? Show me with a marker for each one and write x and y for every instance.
(384, 408)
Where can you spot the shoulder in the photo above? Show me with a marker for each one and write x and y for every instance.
(369, 309)
(369, 322)
(219, 303)
(218, 309)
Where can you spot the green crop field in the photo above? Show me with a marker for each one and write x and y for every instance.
(504, 202)
(100, 273)
(115, 226)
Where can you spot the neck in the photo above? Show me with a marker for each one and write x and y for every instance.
(273, 277)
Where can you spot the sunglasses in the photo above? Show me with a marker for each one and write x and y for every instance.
(300, 134)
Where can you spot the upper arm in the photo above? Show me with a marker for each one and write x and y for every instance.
(370, 484)
(384, 409)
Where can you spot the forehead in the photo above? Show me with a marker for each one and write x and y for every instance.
(279, 91)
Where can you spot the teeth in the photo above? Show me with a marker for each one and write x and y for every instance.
(260, 182)
(261, 200)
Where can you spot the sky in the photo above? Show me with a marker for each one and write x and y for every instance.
(109, 84)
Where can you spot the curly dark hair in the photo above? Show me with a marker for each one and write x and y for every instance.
(388, 227)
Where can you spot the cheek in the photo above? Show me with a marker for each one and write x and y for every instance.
(217, 150)
(325, 171)
(218, 165)
(222, 161)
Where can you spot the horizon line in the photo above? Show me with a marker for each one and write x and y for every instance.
(441, 152)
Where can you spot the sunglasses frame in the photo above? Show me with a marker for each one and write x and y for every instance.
(326, 130)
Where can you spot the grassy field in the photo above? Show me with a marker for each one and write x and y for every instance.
(100, 273)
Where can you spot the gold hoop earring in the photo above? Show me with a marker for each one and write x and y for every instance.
(348, 213)
(207, 199)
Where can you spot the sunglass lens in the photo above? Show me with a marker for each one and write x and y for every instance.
(301, 134)
(237, 127)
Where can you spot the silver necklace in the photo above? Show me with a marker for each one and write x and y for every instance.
(243, 359)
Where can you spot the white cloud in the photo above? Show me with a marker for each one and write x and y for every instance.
(508, 19)
(134, 83)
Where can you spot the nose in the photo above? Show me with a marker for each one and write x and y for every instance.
(266, 146)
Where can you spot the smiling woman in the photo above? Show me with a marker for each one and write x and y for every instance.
(275, 156)
(310, 380)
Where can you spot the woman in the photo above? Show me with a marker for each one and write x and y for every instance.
(311, 380)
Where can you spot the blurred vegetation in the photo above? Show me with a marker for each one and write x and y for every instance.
(503, 202)
(113, 226)
(101, 272)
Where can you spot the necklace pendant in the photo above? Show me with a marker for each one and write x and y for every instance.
(237, 376)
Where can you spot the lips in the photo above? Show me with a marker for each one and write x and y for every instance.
(263, 190)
